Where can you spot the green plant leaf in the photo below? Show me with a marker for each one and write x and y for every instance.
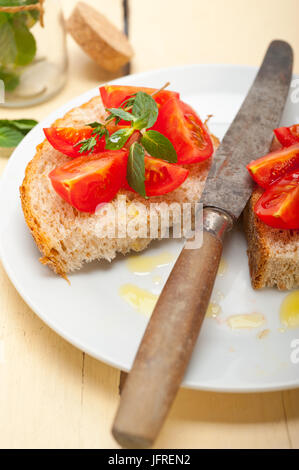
(128, 103)
(157, 145)
(136, 169)
(145, 110)
(16, 3)
(120, 113)
(25, 42)
(13, 131)
(23, 125)
(117, 140)
(87, 145)
(94, 124)
(10, 3)
(33, 15)
(10, 137)
(8, 47)
(29, 18)
(10, 80)
(99, 129)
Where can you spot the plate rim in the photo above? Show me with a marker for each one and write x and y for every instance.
(45, 318)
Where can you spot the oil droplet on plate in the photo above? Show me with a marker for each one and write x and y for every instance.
(281, 330)
(146, 264)
(289, 311)
(222, 267)
(219, 296)
(213, 310)
(246, 321)
(140, 299)
(262, 334)
(157, 280)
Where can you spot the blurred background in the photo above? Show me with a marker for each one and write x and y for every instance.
(175, 32)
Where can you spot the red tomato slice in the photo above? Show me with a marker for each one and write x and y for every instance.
(64, 139)
(161, 177)
(275, 165)
(86, 182)
(188, 134)
(287, 136)
(279, 204)
(114, 95)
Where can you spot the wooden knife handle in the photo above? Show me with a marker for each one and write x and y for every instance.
(169, 339)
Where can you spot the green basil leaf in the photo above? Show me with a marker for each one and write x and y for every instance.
(23, 125)
(10, 79)
(32, 15)
(157, 145)
(10, 137)
(120, 113)
(145, 110)
(94, 124)
(25, 42)
(8, 48)
(136, 169)
(16, 3)
(117, 140)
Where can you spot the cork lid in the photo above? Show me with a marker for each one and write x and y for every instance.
(99, 38)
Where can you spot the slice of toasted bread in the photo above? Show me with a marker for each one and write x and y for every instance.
(273, 254)
(66, 237)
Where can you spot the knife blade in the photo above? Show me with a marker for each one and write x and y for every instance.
(229, 185)
(171, 334)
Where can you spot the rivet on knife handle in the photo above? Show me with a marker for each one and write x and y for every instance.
(169, 339)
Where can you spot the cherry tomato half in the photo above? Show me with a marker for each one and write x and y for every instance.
(279, 204)
(287, 136)
(86, 182)
(161, 177)
(271, 167)
(188, 134)
(64, 139)
(114, 95)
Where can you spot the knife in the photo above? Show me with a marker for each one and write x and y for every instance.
(171, 334)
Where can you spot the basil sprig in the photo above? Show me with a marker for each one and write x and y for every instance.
(141, 111)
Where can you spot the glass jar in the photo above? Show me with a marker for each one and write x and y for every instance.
(33, 59)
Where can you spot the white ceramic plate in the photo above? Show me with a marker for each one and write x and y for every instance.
(91, 314)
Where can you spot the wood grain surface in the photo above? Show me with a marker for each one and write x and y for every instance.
(51, 394)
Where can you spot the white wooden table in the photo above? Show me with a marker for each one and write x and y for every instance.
(51, 394)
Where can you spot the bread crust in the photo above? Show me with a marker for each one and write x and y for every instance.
(50, 257)
(268, 265)
(257, 252)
